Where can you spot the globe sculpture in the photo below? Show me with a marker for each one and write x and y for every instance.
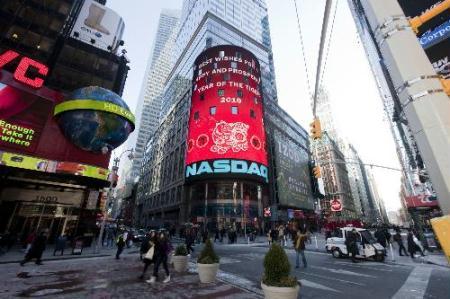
(95, 119)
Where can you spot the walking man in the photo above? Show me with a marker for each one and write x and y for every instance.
(36, 249)
(352, 246)
(399, 240)
(299, 246)
(120, 245)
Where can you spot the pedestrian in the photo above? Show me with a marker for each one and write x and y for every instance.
(412, 244)
(205, 235)
(120, 242)
(36, 249)
(162, 249)
(222, 234)
(189, 240)
(148, 251)
(380, 235)
(274, 235)
(216, 235)
(281, 235)
(399, 240)
(60, 244)
(299, 246)
(269, 237)
(29, 240)
(352, 246)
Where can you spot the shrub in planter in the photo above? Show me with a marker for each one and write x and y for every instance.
(208, 263)
(276, 282)
(180, 259)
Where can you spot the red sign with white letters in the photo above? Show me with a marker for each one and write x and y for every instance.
(336, 205)
(21, 73)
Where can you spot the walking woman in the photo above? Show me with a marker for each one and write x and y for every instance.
(148, 251)
(162, 249)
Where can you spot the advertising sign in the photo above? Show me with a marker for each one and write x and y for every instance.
(31, 139)
(421, 201)
(336, 205)
(433, 34)
(99, 26)
(48, 197)
(294, 187)
(226, 131)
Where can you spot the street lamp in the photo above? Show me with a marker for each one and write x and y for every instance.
(115, 169)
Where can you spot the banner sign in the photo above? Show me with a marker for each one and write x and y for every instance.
(226, 135)
(420, 201)
(50, 197)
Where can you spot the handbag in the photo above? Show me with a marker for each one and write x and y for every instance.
(150, 253)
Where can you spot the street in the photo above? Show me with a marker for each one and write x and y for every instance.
(239, 277)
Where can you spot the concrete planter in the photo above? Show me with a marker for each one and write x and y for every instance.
(207, 272)
(180, 263)
(279, 292)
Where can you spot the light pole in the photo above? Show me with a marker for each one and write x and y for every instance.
(115, 169)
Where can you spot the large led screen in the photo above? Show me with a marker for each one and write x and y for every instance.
(31, 139)
(293, 178)
(226, 131)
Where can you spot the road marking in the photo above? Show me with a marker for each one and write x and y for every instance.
(226, 260)
(232, 279)
(335, 279)
(315, 285)
(360, 266)
(416, 284)
(342, 271)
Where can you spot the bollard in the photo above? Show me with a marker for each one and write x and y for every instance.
(315, 240)
(392, 252)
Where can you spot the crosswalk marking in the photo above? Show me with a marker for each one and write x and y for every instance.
(315, 285)
(342, 271)
(359, 266)
(332, 278)
(416, 284)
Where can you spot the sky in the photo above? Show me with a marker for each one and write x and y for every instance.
(356, 103)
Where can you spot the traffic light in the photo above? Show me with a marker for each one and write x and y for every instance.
(316, 172)
(316, 129)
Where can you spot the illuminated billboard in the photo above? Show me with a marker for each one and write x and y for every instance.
(293, 176)
(98, 26)
(226, 131)
(30, 137)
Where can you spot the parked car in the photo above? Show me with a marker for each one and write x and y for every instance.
(368, 247)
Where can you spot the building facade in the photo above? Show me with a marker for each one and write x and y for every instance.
(50, 177)
(149, 104)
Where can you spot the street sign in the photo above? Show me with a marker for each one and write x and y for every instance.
(336, 205)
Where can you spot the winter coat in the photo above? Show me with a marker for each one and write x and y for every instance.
(300, 242)
(352, 247)
(61, 243)
(37, 247)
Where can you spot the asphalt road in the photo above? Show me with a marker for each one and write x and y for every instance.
(327, 277)
(241, 266)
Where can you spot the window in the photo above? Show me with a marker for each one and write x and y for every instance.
(221, 92)
(226, 77)
(252, 113)
(234, 110)
(245, 79)
(255, 99)
(222, 54)
(239, 93)
(238, 55)
(196, 115)
(202, 97)
(234, 64)
(215, 65)
(212, 110)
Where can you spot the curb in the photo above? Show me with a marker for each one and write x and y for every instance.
(58, 259)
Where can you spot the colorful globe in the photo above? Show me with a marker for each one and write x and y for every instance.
(95, 119)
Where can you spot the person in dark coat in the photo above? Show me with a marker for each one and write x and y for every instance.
(380, 235)
(216, 235)
(162, 250)
(60, 244)
(399, 240)
(36, 249)
(222, 234)
(412, 246)
(120, 245)
(352, 246)
(147, 243)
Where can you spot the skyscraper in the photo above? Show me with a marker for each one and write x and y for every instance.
(207, 23)
(158, 68)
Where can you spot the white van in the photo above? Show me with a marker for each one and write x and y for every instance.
(368, 247)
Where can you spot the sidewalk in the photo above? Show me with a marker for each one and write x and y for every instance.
(16, 254)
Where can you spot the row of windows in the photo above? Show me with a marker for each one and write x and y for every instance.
(234, 110)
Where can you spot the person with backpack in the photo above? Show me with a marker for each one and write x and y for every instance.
(120, 242)
(161, 253)
(148, 251)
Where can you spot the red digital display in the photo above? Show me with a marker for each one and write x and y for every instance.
(226, 129)
(25, 64)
